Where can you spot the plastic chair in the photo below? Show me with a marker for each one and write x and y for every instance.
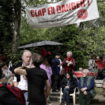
(73, 95)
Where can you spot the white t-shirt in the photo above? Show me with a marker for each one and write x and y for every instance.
(23, 85)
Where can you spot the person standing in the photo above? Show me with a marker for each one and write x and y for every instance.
(92, 63)
(101, 67)
(86, 86)
(47, 68)
(37, 81)
(21, 79)
(69, 63)
(56, 73)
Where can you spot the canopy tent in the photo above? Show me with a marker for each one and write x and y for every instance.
(41, 43)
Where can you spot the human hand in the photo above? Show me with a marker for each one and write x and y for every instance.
(83, 89)
(85, 92)
(67, 61)
(66, 86)
(70, 62)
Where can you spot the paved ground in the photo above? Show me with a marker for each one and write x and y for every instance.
(98, 100)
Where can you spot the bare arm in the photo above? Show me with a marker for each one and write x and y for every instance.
(20, 71)
(48, 87)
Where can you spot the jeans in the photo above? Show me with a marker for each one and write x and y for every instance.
(66, 97)
(26, 97)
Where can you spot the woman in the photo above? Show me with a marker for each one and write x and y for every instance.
(69, 62)
(9, 95)
(68, 84)
(46, 66)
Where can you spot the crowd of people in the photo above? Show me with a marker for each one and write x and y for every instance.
(31, 81)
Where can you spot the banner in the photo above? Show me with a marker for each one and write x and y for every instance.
(62, 13)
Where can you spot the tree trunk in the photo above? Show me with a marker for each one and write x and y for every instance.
(16, 25)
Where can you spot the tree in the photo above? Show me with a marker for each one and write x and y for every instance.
(10, 17)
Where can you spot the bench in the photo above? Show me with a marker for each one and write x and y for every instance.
(98, 83)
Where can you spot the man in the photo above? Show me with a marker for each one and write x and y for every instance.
(56, 73)
(37, 82)
(69, 62)
(21, 79)
(69, 83)
(26, 62)
(86, 86)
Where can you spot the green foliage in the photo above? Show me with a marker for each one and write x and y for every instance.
(86, 40)
(6, 18)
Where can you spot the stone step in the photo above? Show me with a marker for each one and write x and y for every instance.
(54, 98)
(55, 93)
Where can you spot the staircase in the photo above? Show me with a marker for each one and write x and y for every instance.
(54, 98)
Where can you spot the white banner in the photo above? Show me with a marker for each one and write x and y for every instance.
(62, 13)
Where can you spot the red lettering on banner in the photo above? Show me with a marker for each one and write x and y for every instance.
(67, 7)
(40, 12)
(78, 4)
(51, 10)
(43, 11)
(70, 6)
(83, 3)
(32, 13)
(58, 9)
(63, 8)
(89, 2)
(73, 5)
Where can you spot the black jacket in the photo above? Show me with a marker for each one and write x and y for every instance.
(15, 66)
(72, 83)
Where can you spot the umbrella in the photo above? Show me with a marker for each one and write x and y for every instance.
(41, 43)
